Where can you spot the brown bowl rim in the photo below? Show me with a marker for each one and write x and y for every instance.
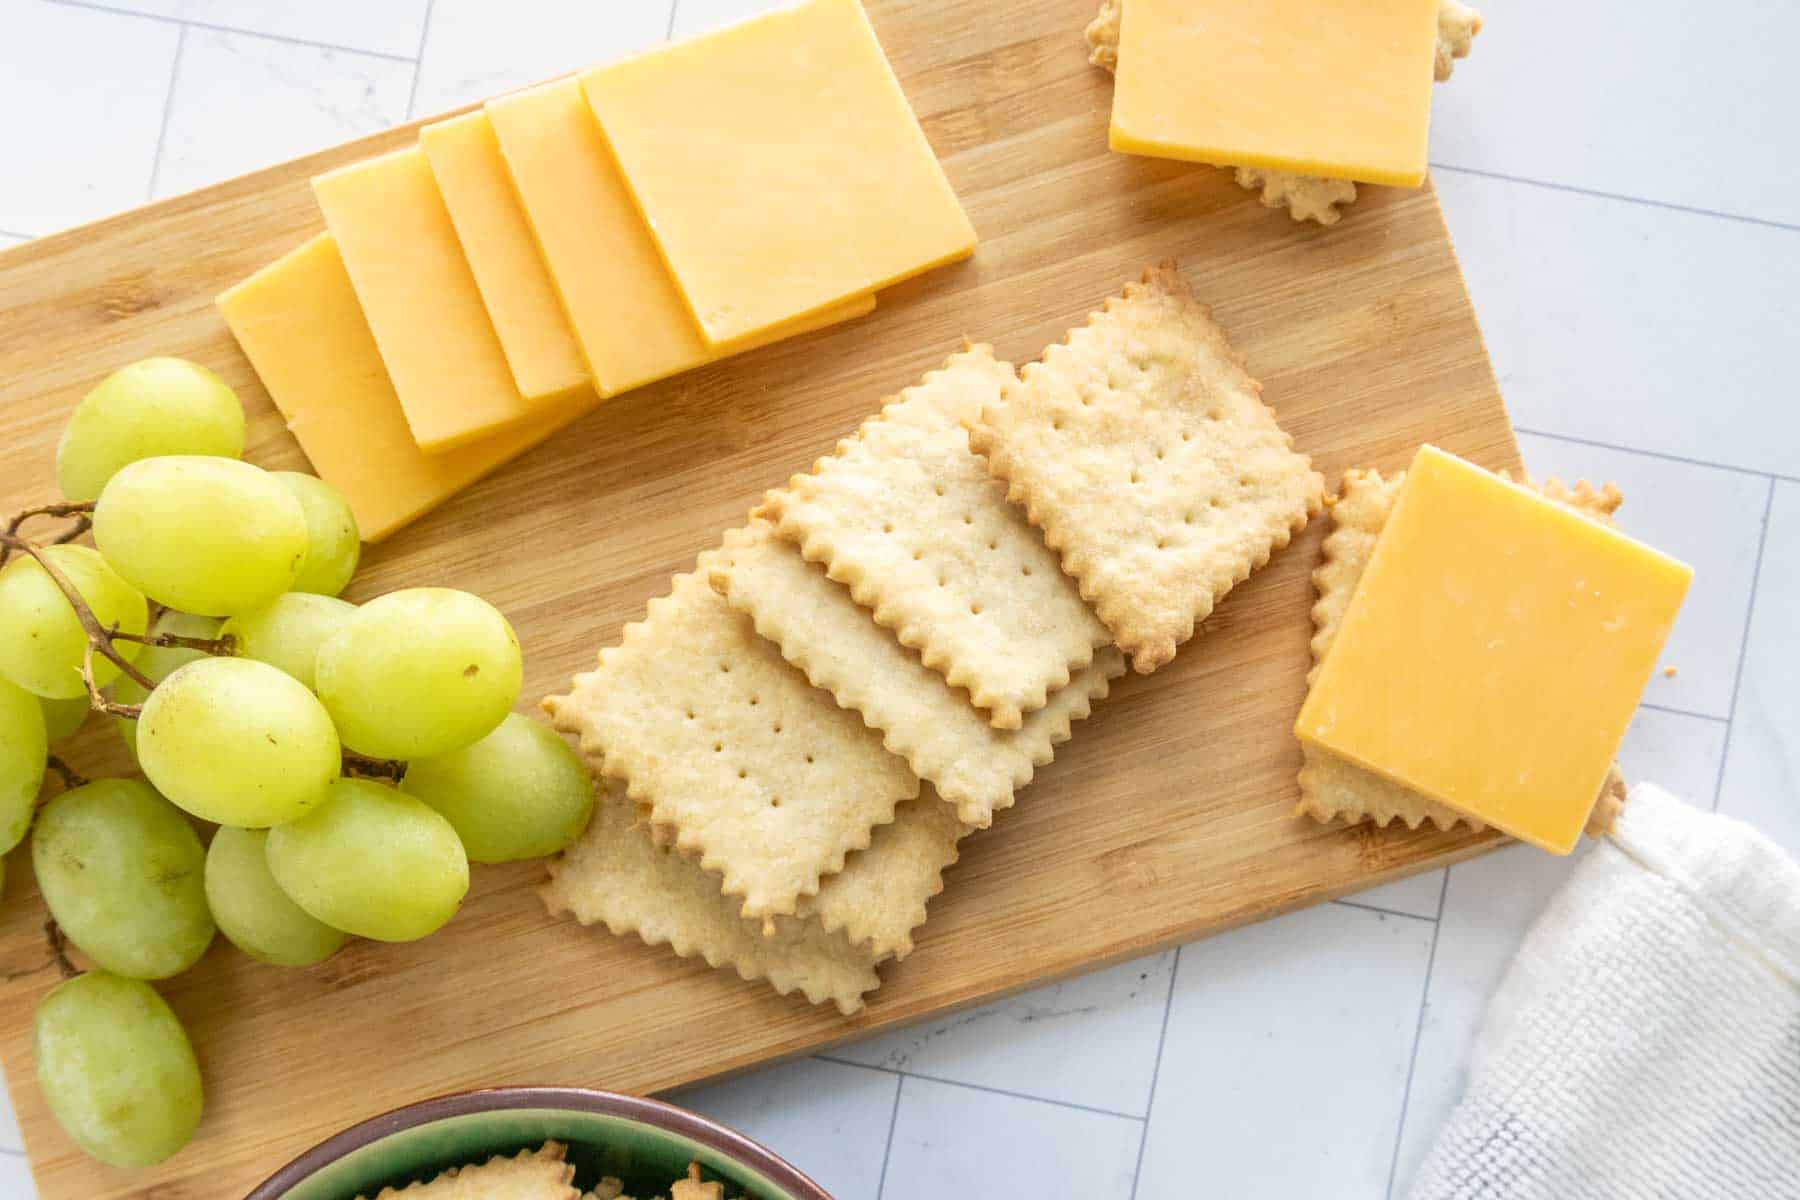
(656, 1113)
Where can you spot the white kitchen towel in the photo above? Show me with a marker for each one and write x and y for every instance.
(1646, 1040)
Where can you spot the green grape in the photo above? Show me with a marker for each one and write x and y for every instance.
(419, 673)
(254, 912)
(23, 746)
(372, 862)
(42, 643)
(333, 544)
(116, 1069)
(519, 792)
(63, 719)
(160, 662)
(151, 408)
(238, 742)
(123, 873)
(205, 535)
(288, 633)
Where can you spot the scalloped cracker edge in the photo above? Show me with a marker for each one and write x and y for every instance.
(975, 767)
(616, 875)
(1332, 788)
(752, 771)
(907, 517)
(539, 1174)
(1143, 451)
(1306, 197)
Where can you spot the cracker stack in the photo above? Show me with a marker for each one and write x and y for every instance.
(797, 737)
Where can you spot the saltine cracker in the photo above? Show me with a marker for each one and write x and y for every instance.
(1143, 451)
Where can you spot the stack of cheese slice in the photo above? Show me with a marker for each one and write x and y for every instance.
(594, 234)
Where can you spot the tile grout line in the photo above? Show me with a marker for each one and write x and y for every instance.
(412, 95)
(1683, 712)
(162, 132)
(1692, 462)
(887, 1153)
(669, 33)
(976, 1087)
(1412, 1062)
(1620, 196)
(1386, 912)
(210, 27)
(1737, 682)
(1162, 1038)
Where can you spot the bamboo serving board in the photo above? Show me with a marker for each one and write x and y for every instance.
(1166, 818)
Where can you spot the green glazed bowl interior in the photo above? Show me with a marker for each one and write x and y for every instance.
(645, 1143)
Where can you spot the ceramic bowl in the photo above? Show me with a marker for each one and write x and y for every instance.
(645, 1143)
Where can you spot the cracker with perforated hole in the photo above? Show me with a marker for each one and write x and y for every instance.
(539, 1174)
(1306, 197)
(820, 629)
(617, 876)
(1143, 451)
(1332, 788)
(906, 516)
(756, 773)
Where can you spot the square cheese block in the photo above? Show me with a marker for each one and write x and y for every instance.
(1335, 88)
(779, 166)
(1494, 651)
(421, 300)
(301, 327)
(496, 239)
(629, 320)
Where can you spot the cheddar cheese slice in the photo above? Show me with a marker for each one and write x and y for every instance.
(300, 325)
(1334, 88)
(779, 166)
(496, 239)
(1494, 651)
(415, 287)
(630, 322)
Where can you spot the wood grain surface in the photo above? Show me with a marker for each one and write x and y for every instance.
(1166, 818)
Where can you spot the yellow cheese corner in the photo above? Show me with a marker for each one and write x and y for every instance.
(779, 165)
(1494, 651)
(300, 325)
(1333, 88)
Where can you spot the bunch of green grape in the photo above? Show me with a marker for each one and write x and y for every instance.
(354, 759)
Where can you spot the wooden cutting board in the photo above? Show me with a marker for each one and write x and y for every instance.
(1168, 816)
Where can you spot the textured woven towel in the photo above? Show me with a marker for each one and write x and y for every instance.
(1646, 1041)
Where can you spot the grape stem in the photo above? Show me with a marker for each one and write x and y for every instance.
(81, 510)
(225, 644)
(99, 638)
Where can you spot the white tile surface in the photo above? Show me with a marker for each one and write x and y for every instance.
(1762, 773)
(1089, 1041)
(1711, 520)
(476, 48)
(695, 16)
(242, 101)
(86, 90)
(1285, 1061)
(1416, 894)
(1633, 325)
(1670, 100)
(829, 1120)
(957, 1141)
(377, 26)
(9, 239)
(1613, 320)
(1490, 903)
